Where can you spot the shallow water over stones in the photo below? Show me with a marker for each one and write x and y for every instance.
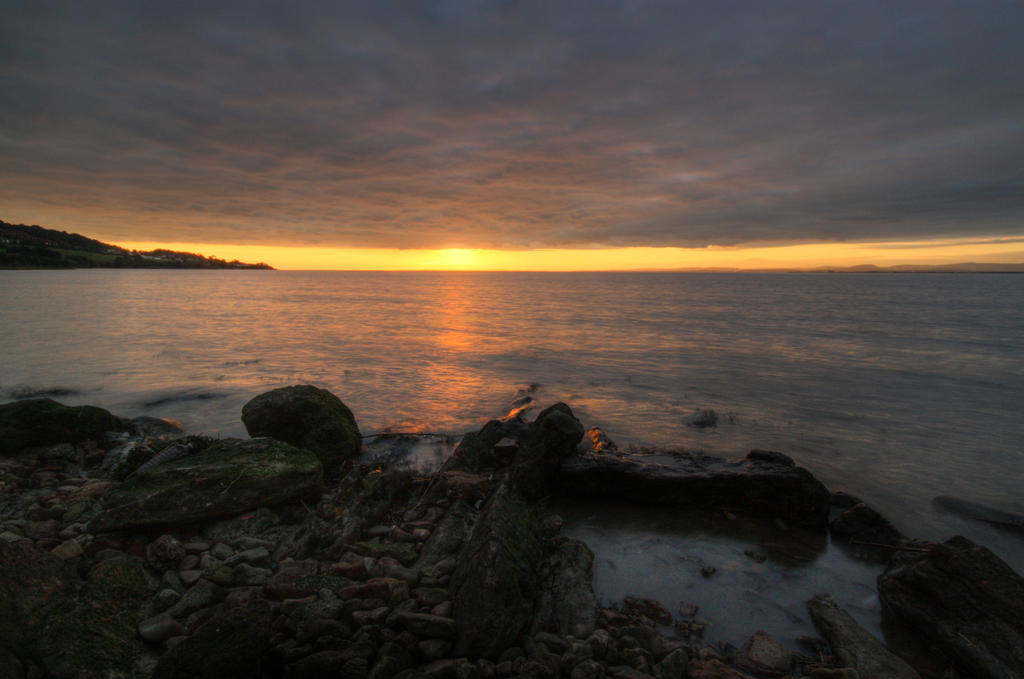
(762, 576)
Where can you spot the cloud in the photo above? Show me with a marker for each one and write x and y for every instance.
(514, 124)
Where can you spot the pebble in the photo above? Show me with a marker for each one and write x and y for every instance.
(69, 549)
(160, 628)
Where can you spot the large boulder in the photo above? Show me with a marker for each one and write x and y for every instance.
(307, 417)
(765, 483)
(55, 625)
(43, 422)
(229, 477)
(497, 577)
(965, 602)
(233, 644)
(855, 646)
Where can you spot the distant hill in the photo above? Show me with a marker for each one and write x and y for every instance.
(33, 247)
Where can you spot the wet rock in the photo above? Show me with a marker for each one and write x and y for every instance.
(232, 644)
(566, 603)
(145, 426)
(306, 417)
(496, 580)
(979, 512)
(704, 419)
(43, 422)
(160, 628)
(769, 488)
(762, 654)
(648, 608)
(864, 524)
(964, 601)
(228, 478)
(853, 645)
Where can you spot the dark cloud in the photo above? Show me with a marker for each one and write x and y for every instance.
(514, 124)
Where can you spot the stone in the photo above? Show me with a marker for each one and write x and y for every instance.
(233, 643)
(229, 477)
(673, 665)
(862, 523)
(764, 655)
(43, 422)
(160, 628)
(773, 489)
(200, 595)
(497, 577)
(165, 552)
(648, 608)
(963, 600)
(48, 618)
(566, 604)
(306, 417)
(712, 668)
(853, 645)
(146, 426)
(426, 625)
(69, 549)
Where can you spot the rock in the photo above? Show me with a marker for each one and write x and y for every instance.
(232, 644)
(762, 654)
(496, 579)
(979, 512)
(230, 477)
(589, 669)
(160, 628)
(43, 421)
(853, 645)
(963, 600)
(648, 608)
(773, 489)
(426, 625)
(600, 443)
(863, 523)
(448, 537)
(145, 426)
(69, 549)
(47, 617)
(713, 669)
(566, 603)
(306, 417)
(461, 485)
(704, 419)
(673, 665)
(164, 552)
(200, 595)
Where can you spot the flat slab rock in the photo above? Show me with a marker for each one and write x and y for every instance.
(230, 477)
(855, 646)
(766, 483)
(965, 602)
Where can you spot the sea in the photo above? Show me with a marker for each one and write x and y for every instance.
(897, 388)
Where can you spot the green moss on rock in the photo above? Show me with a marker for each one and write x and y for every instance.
(43, 422)
(307, 417)
(230, 477)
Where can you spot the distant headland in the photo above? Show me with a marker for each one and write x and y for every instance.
(34, 247)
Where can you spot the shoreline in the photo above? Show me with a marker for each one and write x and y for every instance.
(294, 541)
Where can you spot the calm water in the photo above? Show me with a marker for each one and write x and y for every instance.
(895, 387)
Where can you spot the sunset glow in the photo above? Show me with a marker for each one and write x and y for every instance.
(811, 255)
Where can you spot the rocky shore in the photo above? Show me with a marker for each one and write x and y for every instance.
(128, 549)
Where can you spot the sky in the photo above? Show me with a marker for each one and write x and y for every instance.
(521, 134)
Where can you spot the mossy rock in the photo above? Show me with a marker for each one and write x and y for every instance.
(229, 477)
(43, 422)
(307, 417)
(73, 629)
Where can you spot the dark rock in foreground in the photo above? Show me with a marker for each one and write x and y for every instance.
(229, 477)
(43, 422)
(965, 602)
(855, 646)
(306, 417)
(52, 625)
(766, 483)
